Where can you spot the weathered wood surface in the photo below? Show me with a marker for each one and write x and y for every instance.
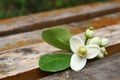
(34, 37)
(103, 69)
(20, 64)
(56, 17)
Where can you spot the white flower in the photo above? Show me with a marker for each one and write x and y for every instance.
(81, 53)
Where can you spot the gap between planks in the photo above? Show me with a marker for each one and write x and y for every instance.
(16, 63)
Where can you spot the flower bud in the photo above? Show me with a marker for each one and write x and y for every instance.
(91, 28)
(89, 33)
(95, 40)
(105, 53)
(104, 42)
(101, 55)
(103, 49)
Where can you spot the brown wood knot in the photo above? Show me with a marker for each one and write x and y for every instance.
(26, 51)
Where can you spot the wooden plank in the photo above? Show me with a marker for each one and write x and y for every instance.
(16, 63)
(57, 17)
(103, 69)
(34, 37)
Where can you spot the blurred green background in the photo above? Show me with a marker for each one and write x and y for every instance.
(12, 8)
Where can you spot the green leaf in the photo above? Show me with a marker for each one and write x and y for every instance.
(54, 62)
(57, 37)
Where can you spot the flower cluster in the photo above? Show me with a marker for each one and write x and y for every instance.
(91, 48)
(81, 50)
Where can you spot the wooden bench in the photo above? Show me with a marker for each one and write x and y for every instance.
(21, 44)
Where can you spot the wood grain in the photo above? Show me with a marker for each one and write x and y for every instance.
(34, 37)
(57, 17)
(22, 63)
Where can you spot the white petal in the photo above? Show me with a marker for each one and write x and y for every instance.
(77, 63)
(75, 42)
(92, 51)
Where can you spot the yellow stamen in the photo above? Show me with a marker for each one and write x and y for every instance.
(82, 51)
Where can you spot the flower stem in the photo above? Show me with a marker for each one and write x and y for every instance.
(86, 39)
